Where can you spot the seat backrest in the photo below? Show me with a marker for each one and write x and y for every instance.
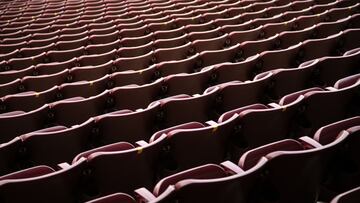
(289, 174)
(329, 133)
(116, 197)
(208, 171)
(251, 157)
(60, 186)
(130, 169)
(190, 125)
(119, 146)
(29, 173)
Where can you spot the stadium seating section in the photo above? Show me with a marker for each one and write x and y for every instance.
(180, 101)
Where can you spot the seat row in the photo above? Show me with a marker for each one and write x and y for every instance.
(296, 6)
(109, 27)
(24, 3)
(173, 84)
(179, 8)
(138, 29)
(294, 116)
(182, 21)
(73, 5)
(272, 172)
(169, 8)
(224, 41)
(110, 36)
(89, 176)
(146, 13)
(26, 62)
